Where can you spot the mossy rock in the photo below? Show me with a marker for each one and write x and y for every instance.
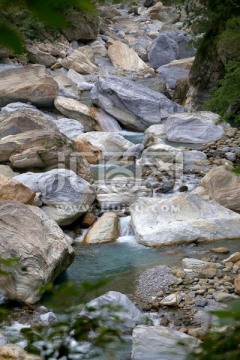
(81, 25)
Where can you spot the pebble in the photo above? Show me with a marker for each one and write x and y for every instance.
(200, 292)
(222, 296)
(170, 300)
(235, 269)
(211, 291)
(201, 302)
(48, 318)
(231, 156)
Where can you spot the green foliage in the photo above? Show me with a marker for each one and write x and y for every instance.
(223, 342)
(225, 99)
(26, 19)
(97, 328)
(237, 171)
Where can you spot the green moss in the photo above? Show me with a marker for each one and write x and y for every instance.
(23, 22)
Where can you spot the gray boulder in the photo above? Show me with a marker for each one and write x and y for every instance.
(135, 106)
(20, 121)
(170, 75)
(198, 127)
(160, 342)
(127, 312)
(65, 195)
(169, 46)
(42, 248)
(69, 127)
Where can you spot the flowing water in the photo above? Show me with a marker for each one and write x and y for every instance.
(122, 261)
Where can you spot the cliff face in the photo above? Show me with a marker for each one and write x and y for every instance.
(219, 47)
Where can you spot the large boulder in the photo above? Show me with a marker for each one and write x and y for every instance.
(116, 189)
(65, 195)
(42, 249)
(163, 158)
(11, 189)
(20, 121)
(104, 230)
(81, 25)
(198, 127)
(174, 161)
(111, 144)
(27, 83)
(182, 219)
(135, 106)
(223, 186)
(43, 150)
(91, 118)
(169, 46)
(128, 314)
(80, 61)
(125, 58)
(160, 342)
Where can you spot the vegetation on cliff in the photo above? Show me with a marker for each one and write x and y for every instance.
(217, 64)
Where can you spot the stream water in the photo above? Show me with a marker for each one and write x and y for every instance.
(122, 261)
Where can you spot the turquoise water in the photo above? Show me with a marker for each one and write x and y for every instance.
(123, 261)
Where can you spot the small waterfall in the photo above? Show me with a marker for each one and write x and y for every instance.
(80, 238)
(125, 226)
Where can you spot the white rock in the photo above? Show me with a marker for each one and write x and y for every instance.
(125, 58)
(157, 130)
(198, 127)
(128, 313)
(170, 300)
(194, 264)
(108, 142)
(48, 318)
(161, 343)
(181, 219)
